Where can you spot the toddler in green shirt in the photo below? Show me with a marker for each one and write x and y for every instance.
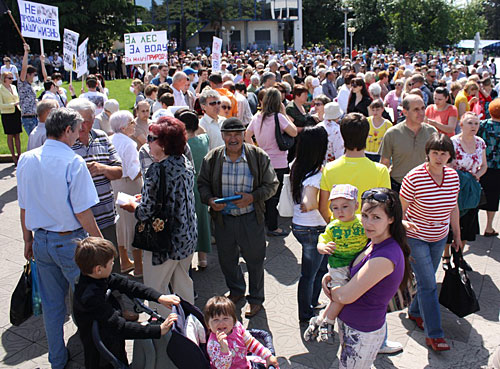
(343, 239)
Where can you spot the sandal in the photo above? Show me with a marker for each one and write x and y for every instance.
(312, 330)
(437, 344)
(491, 234)
(418, 320)
(325, 331)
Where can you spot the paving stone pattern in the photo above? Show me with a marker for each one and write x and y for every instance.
(473, 338)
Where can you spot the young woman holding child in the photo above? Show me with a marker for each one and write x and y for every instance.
(375, 276)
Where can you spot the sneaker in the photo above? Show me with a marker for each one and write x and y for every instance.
(390, 347)
(325, 332)
(312, 330)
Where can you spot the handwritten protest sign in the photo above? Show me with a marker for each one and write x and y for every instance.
(70, 46)
(82, 58)
(146, 47)
(39, 20)
(216, 54)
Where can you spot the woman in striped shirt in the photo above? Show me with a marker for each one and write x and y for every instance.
(429, 197)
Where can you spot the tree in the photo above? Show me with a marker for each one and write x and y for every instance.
(492, 14)
(371, 23)
(420, 24)
(322, 22)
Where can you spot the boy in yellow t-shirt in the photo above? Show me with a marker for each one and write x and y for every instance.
(343, 239)
(378, 126)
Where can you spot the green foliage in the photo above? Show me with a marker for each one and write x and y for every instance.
(419, 24)
(371, 21)
(492, 14)
(322, 19)
(468, 20)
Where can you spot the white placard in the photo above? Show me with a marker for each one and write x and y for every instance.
(146, 47)
(216, 54)
(39, 20)
(70, 47)
(82, 58)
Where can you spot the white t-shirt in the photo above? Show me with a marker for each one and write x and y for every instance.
(312, 218)
(12, 69)
(97, 98)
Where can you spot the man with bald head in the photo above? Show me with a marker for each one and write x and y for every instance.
(404, 143)
(180, 84)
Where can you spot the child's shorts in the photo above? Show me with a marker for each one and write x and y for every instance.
(340, 276)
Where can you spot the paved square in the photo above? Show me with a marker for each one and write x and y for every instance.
(472, 339)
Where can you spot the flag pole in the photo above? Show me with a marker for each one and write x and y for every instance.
(15, 24)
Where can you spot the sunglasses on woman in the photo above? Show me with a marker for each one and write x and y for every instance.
(376, 195)
(152, 138)
(226, 107)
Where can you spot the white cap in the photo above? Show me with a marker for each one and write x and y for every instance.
(332, 111)
(112, 106)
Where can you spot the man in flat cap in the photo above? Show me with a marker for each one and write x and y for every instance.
(238, 168)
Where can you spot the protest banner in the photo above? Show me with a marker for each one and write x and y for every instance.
(70, 47)
(82, 58)
(39, 20)
(146, 47)
(216, 54)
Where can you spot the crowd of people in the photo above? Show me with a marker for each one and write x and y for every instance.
(377, 148)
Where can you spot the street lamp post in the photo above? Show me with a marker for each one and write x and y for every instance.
(351, 31)
(346, 10)
(227, 34)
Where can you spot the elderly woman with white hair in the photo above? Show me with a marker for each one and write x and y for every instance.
(254, 83)
(123, 125)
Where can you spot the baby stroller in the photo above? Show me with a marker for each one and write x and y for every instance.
(183, 352)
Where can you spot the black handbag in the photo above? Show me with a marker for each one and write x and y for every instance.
(21, 303)
(456, 291)
(154, 234)
(284, 140)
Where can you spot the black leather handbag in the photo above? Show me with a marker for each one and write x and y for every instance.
(284, 140)
(154, 234)
(456, 291)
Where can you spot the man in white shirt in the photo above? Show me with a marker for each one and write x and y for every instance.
(345, 91)
(211, 121)
(93, 95)
(179, 82)
(51, 225)
(39, 134)
(52, 93)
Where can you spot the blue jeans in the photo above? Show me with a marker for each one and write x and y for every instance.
(57, 271)
(425, 261)
(313, 268)
(29, 124)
